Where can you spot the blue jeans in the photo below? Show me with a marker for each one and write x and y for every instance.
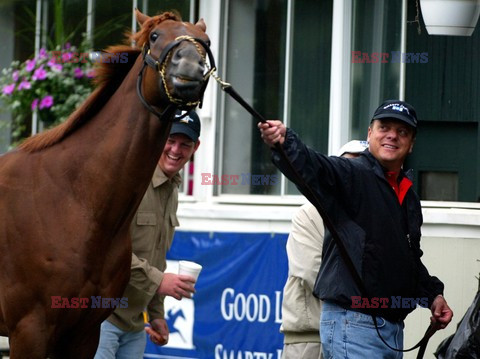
(349, 334)
(116, 343)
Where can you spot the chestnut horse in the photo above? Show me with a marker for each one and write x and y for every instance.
(68, 195)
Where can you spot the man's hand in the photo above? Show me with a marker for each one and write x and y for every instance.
(441, 313)
(272, 132)
(177, 286)
(158, 331)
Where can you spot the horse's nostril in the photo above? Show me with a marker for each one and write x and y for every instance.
(177, 56)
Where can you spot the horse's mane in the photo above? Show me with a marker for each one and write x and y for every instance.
(108, 77)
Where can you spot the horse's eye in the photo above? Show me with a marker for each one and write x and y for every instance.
(153, 36)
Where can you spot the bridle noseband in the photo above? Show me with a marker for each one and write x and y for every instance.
(160, 66)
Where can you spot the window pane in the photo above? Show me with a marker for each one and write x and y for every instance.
(155, 7)
(444, 89)
(439, 186)
(310, 78)
(255, 67)
(111, 20)
(7, 47)
(446, 86)
(17, 23)
(446, 147)
(67, 21)
(23, 27)
(376, 32)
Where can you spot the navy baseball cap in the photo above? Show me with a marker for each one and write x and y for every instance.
(187, 124)
(397, 109)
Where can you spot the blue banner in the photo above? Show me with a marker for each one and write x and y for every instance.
(236, 311)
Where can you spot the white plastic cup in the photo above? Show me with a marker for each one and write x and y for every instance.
(189, 268)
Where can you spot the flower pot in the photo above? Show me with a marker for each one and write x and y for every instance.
(450, 17)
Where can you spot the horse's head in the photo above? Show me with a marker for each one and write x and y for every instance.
(176, 53)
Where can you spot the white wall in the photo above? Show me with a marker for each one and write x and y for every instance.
(451, 246)
(455, 262)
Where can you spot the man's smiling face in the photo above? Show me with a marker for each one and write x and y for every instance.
(176, 153)
(390, 141)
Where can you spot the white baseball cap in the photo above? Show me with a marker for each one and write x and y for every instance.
(354, 146)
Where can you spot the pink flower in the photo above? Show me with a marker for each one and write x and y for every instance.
(55, 67)
(30, 65)
(78, 73)
(15, 76)
(24, 85)
(46, 102)
(91, 73)
(34, 104)
(8, 89)
(39, 74)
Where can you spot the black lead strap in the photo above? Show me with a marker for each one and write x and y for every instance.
(313, 198)
(167, 113)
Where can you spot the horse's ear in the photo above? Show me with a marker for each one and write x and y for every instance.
(201, 24)
(141, 18)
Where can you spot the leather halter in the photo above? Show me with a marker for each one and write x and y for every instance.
(160, 66)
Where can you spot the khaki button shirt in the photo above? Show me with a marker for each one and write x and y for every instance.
(152, 231)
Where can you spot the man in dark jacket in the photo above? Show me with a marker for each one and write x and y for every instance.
(378, 216)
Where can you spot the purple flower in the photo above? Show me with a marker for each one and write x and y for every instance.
(15, 76)
(8, 89)
(78, 73)
(24, 85)
(42, 54)
(39, 74)
(67, 45)
(34, 104)
(30, 65)
(66, 57)
(46, 102)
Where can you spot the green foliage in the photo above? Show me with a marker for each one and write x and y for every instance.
(54, 83)
(59, 89)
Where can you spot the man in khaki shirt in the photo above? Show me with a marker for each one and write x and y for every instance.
(122, 334)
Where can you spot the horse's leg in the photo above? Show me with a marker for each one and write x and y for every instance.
(79, 345)
(29, 338)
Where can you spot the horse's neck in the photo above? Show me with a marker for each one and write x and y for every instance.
(116, 153)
